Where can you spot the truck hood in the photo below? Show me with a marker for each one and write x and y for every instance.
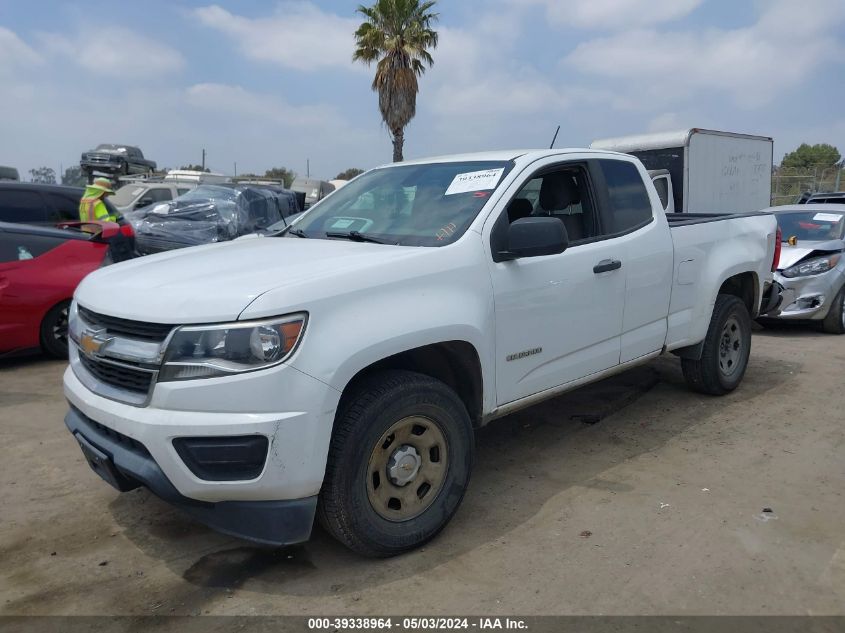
(791, 255)
(214, 283)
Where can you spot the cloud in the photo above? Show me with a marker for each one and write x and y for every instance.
(607, 15)
(752, 65)
(15, 53)
(666, 122)
(114, 51)
(250, 107)
(300, 35)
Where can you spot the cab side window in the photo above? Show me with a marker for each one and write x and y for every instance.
(662, 186)
(629, 206)
(159, 194)
(562, 193)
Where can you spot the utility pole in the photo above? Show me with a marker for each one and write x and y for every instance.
(838, 177)
(203, 159)
(307, 167)
(236, 169)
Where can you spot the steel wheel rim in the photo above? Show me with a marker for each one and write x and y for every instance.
(60, 327)
(730, 347)
(407, 469)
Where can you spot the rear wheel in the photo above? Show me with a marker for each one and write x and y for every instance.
(727, 347)
(54, 330)
(399, 463)
(834, 322)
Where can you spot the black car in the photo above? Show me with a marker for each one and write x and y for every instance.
(48, 205)
(38, 204)
(118, 160)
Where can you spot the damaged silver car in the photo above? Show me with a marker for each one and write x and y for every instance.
(812, 265)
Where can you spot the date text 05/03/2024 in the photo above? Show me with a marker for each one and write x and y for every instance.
(419, 623)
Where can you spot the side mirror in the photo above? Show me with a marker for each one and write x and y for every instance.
(144, 202)
(535, 236)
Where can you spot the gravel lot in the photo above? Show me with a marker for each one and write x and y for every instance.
(633, 496)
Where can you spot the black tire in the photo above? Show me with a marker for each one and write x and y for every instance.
(379, 403)
(834, 322)
(727, 347)
(54, 331)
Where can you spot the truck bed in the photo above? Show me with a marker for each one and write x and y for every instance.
(685, 219)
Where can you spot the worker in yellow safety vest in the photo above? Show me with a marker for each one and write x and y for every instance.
(92, 207)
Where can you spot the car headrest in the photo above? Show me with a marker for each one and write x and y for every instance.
(519, 208)
(558, 191)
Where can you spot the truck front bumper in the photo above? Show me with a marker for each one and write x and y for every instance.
(126, 464)
(131, 445)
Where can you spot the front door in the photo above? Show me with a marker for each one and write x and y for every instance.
(558, 317)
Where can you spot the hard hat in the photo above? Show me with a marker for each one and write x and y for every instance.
(101, 184)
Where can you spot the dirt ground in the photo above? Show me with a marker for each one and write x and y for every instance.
(633, 496)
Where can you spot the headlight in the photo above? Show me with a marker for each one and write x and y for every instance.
(207, 351)
(74, 326)
(813, 266)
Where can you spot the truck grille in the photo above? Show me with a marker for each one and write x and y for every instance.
(122, 376)
(135, 329)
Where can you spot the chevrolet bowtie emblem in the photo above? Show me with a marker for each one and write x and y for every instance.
(93, 341)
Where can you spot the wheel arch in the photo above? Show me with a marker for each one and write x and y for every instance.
(745, 286)
(456, 363)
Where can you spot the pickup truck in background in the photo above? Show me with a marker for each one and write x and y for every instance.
(339, 368)
(703, 170)
(115, 160)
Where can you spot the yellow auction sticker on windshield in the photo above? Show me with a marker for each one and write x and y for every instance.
(475, 181)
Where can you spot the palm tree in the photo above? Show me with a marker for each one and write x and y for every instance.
(398, 34)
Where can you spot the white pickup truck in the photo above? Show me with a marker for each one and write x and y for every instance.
(339, 368)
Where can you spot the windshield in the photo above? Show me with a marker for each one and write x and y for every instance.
(413, 205)
(813, 226)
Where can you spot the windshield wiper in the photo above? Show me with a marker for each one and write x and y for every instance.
(290, 231)
(356, 236)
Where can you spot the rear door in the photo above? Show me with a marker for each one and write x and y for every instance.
(558, 317)
(642, 237)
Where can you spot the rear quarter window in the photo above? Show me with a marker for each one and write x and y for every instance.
(23, 247)
(628, 201)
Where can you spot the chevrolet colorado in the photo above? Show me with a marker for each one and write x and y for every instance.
(339, 368)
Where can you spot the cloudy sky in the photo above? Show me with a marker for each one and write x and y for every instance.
(266, 83)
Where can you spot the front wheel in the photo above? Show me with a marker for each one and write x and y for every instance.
(398, 464)
(54, 330)
(834, 322)
(727, 347)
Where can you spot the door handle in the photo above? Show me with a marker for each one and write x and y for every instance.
(607, 265)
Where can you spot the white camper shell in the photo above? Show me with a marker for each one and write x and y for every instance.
(708, 171)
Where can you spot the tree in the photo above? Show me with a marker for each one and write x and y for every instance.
(195, 168)
(809, 156)
(349, 174)
(73, 177)
(398, 36)
(45, 175)
(281, 173)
